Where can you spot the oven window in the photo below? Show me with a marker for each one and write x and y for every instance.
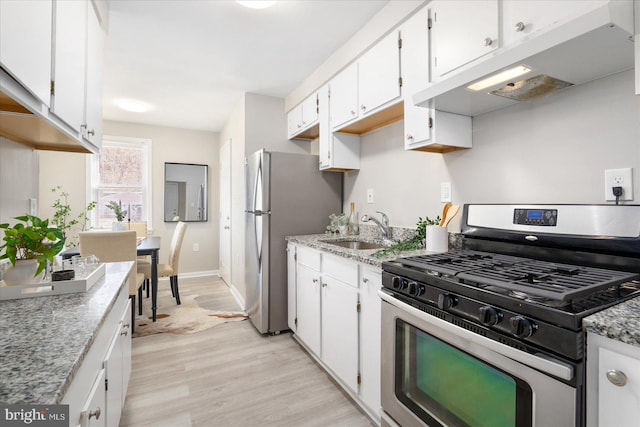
(446, 386)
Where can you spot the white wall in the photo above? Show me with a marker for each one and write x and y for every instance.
(18, 179)
(168, 145)
(553, 150)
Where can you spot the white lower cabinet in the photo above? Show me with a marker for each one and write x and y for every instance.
(613, 383)
(336, 316)
(96, 394)
(340, 329)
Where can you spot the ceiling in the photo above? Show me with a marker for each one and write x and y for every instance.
(191, 60)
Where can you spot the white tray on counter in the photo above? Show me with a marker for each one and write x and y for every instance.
(49, 288)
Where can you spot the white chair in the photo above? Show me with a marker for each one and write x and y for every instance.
(170, 269)
(116, 246)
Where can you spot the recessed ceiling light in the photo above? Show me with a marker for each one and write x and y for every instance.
(500, 77)
(133, 105)
(256, 4)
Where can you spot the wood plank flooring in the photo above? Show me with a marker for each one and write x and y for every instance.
(230, 375)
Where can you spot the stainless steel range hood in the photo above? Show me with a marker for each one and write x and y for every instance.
(594, 45)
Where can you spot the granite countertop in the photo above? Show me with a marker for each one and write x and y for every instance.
(322, 242)
(44, 340)
(619, 323)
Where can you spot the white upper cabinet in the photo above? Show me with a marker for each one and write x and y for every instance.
(343, 104)
(93, 102)
(69, 61)
(425, 128)
(523, 18)
(459, 38)
(338, 151)
(303, 119)
(379, 74)
(25, 44)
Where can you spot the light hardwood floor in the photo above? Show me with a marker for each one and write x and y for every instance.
(230, 375)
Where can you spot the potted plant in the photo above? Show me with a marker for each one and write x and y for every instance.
(119, 213)
(29, 245)
(63, 220)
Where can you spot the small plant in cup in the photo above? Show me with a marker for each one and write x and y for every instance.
(117, 210)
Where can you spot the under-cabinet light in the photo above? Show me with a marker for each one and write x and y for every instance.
(500, 77)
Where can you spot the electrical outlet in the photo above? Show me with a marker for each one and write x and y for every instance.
(369, 195)
(445, 192)
(618, 178)
(196, 247)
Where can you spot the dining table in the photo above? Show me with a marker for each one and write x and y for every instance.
(149, 246)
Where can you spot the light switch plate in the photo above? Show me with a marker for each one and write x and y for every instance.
(445, 192)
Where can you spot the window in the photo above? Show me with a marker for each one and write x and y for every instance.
(121, 173)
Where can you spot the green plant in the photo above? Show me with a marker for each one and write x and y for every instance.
(32, 240)
(62, 218)
(337, 221)
(117, 210)
(412, 244)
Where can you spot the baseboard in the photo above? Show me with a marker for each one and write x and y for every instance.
(196, 276)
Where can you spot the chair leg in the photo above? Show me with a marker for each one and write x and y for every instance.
(174, 287)
(146, 285)
(139, 301)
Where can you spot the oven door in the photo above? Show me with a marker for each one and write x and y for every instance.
(435, 373)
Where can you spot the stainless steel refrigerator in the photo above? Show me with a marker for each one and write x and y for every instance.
(286, 195)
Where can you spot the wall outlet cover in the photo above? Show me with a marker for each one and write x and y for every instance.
(618, 178)
(369, 195)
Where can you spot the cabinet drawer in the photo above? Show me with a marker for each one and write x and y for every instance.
(339, 268)
(309, 257)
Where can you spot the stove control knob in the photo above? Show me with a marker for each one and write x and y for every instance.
(522, 327)
(413, 288)
(420, 290)
(446, 301)
(489, 316)
(395, 282)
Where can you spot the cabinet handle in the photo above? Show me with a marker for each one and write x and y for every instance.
(299, 126)
(488, 41)
(617, 378)
(363, 108)
(520, 27)
(226, 227)
(91, 132)
(315, 280)
(365, 280)
(409, 137)
(125, 332)
(324, 285)
(126, 325)
(95, 413)
(353, 113)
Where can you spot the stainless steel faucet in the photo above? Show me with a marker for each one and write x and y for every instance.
(384, 224)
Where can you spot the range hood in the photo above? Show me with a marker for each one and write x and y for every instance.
(594, 45)
(25, 120)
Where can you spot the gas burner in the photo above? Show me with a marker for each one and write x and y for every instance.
(536, 299)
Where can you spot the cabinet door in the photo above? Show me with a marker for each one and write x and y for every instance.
(618, 404)
(93, 102)
(370, 284)
(524, 18)
(459, 38)
(294, 121)
(340, 330)
(113, 372)
(69, 61)
(25, 44)
(343, 98)
(125, 337)
(379, 74)
(93, 411)
(415, 76)
(308, 309)
(291, 287)
(310, 111)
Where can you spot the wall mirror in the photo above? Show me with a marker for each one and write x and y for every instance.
(185, 192)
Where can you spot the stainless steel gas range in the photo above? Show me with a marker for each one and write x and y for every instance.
(492, 335)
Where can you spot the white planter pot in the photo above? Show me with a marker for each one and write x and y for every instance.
(23, 273)
(118, 226)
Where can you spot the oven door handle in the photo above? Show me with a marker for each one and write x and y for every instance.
(551, 367)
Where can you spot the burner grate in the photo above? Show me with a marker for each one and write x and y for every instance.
(452, 263)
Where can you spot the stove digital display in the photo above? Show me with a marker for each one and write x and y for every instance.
(539, 217)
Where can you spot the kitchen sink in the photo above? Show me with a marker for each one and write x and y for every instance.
(357, 245)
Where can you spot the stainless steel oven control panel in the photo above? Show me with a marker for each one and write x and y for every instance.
(540, 217)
